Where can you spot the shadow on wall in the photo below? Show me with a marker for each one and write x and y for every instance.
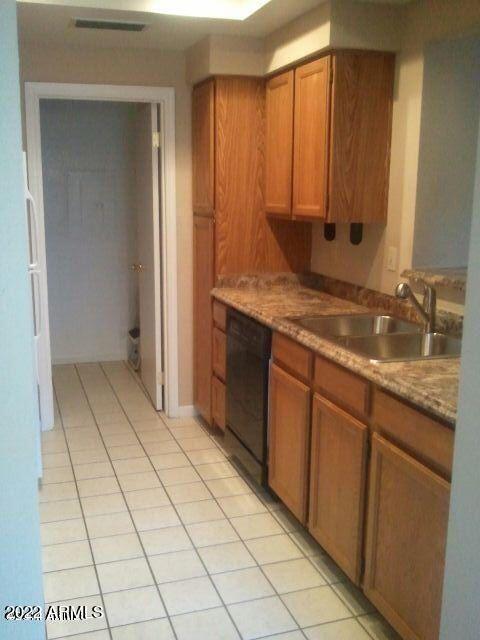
(359, 264)
(448, 142)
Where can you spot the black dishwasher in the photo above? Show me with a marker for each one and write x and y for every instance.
(248, 355)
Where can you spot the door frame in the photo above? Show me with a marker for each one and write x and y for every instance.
(165, 97)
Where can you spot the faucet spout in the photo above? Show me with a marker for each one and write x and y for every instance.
(427, 310)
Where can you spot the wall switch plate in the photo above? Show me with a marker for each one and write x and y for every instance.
(392, 258)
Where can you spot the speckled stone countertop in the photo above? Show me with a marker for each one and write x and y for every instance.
(448, 278)
(431, 385)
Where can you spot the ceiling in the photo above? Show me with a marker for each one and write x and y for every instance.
(50, 22)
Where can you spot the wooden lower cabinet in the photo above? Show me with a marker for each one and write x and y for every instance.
(218, 403)
(289, 429)
(219, 353)
(382, 517)
(406, 538)
(337, 484)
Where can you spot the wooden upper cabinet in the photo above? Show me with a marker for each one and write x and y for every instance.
(341, 105)
(203, 114)
(289, 428)
(203, 276)
(310, 141)
(279, 144)
(337, 484)
(406, 540)
(240, 238)
(361, 119)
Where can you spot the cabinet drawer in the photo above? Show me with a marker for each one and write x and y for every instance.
(422, 436)
(220, 315)
(218, 402)
(292, 356)
(219, 353)
(343, 387)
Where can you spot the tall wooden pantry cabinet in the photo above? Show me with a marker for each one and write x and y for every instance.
(232, 234)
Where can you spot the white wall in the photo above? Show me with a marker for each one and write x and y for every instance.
(90, 223)
(448, 145)
(461, 613)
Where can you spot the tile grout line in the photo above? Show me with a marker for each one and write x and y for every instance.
(83, 519)
(275, 593)
(304, 556)
(253, 491)
(258, 565)
(181, 521)
(167, 615)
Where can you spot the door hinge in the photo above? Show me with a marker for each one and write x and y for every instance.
(156, 139)
(160, 378)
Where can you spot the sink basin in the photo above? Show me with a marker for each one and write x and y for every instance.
(356, 325)
(402, 346)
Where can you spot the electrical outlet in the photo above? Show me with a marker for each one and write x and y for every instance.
(392, 259)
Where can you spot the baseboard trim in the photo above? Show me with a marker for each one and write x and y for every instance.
(185, 411)
(102, 357)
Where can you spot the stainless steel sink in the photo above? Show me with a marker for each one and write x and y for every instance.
(402, 346)
(356, 325)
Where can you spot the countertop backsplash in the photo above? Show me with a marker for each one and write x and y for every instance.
(447, 321)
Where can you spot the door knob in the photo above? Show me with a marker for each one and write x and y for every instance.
(137, 267)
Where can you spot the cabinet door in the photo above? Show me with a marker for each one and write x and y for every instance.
(311, 137)
(203, 111)
(241, 240)
(218, 402)
(406, 537)
(337, 484)
(219, 353)
(279, 144)
(361, 122)
(288, 440)
(203, 231)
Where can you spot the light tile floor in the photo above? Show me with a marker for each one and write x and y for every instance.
(146, 517)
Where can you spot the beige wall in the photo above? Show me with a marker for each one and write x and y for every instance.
(366, 25)
(197, 60)
(448, 147)
(138, 67)
(224, 55)
(334, 23)
(346, 23)
(366, 264)
(298, 39)
(407, 29)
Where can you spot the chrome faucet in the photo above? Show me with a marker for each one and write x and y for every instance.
(427, 309)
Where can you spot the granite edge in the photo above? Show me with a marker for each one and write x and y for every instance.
(447, 278)
(447, 321)
(353, 362)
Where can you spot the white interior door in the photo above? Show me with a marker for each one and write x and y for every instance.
(149, 264)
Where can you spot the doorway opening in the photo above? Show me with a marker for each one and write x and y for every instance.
(100, 168)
